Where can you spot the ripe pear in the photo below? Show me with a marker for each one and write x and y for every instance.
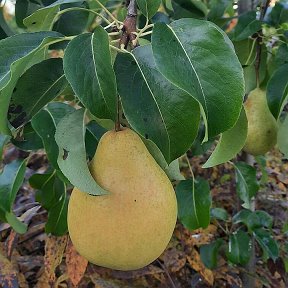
(130, 227)
(262, 126)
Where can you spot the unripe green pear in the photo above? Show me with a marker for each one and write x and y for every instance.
(262, 126)
(130, 227)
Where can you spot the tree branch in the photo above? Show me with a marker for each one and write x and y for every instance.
(129, 25)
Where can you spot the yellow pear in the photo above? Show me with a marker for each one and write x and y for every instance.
(262, 126)
(130, 227)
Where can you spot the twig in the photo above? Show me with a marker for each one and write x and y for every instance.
(129, 25)
(167, 273)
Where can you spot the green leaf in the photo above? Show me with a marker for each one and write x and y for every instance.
(277, 90)
(259, 219)
(188, 9)
(43, 18)
(230, 143)
(268, 244)
(23, 8)
(246, 51)
(218, 213)
(194, 202)
(44, 123)
(148, 7)
(70, 134)
(29, 141)
(161, 112)
(239, 251)
(261, 160)
(282, 139)
(242, 217)
(11, 180)
(218, 8)
(3, 141)
(209, 253)
(15, 223)
(90, 73)
(57, 214)
(18, 53)
(246, 26)
(27, 98)
(246, 182)
(188, 54)
(52, 196)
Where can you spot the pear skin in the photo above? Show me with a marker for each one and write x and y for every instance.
(130, 227)
(262, 126)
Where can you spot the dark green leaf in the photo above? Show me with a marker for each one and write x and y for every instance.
(24, 8)
(246, 182)
(29, 141)
(27, 98)
(242, 217)
(247, 25)
(43, 18)
(239, 251)
(268, 244)
(259, 219)
(194, 202)
(277, 90)
(219, 213)
(209, 253)
(11, 180)
(188, 9)
(218, 8)
(18, 53)
(160, 17)
(57, 214)
(246, 51)
(188, 54)
(90, 73)
(70, 134)
(161, 112)
(282, 139)
(148, 7)
(230, 143)
(261, 160)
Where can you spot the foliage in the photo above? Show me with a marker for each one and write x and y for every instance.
(69, 72)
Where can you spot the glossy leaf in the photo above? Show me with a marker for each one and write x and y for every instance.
(246, 26)
(246, 182)
(90, 73)
(11, 180)
(42, 19)
(230, 143)
(277, 90)
(194, 202)
(209, 253)
(239, 249)
(44, 123)
(242, 217)
(70, 134)
(282, 139)
(148, 7)
(154, 107)
(27, 98)
(198, 57)
(218, 213)
(17, 53)
(268, 244)
(5, 30)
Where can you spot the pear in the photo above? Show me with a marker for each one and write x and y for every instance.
(262, 126)
(130, 227)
